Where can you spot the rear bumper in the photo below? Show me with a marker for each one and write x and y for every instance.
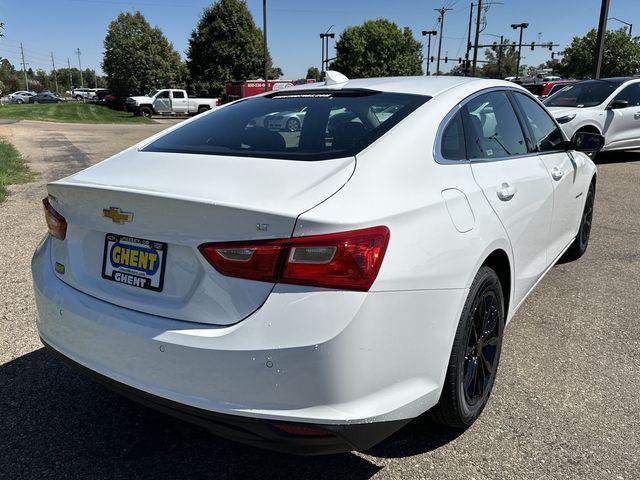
(259, 433)
(359, 365)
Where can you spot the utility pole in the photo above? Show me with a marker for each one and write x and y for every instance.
(602, 29)
(441, 11)
(55, 74)
(430, 33)
(80, 64)
(477, 40)
(264, 32)
(466, 55)
(24, 68)
(70, 76)
(520, 26)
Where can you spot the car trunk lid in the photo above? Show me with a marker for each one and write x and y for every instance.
(159, 207)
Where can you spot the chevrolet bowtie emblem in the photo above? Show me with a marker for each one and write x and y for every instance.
(116, 215)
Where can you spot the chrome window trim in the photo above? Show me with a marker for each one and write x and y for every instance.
(437, 150)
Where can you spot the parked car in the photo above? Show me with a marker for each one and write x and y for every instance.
(83, 93)
(21, 96)
(47, 97)
(169, 102)
(550, 88)
(315, 293)
(610, 106)
(289, 121)
(101, 94)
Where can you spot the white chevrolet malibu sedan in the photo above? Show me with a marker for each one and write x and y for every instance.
(313, 291)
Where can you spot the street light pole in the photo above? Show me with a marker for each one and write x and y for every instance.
(602, 28)
(325, 48)
(466, 55)
(429, 33)
(475, 50)
(520, 26)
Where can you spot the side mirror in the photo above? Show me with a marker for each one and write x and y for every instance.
(587, 142)
(616, 104)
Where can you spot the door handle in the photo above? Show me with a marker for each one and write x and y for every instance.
(636, 116)
(506, 192)
(556, 173)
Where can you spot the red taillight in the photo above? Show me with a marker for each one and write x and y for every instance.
(55, 222)
(347, 260)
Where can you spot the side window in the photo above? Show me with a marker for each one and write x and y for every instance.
(492, 129)
(178, 94)
(452, 146)
(546, 134)
(631, 94)
(163, 94)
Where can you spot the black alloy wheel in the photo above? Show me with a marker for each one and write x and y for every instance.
(475, 354)
(581, 242)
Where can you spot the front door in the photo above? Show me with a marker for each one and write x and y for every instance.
(515, 182)
(548, 142)
(622, 127)
(162, 102)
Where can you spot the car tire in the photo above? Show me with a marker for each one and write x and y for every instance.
(35, 101)
(475, 354)
(146, 112)
(581, 242)
(202, 110)
(292, 125)
(78, 98)
(19, 100)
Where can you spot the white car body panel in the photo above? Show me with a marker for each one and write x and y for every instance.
(301, 353)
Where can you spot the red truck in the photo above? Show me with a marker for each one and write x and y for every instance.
(246, 88)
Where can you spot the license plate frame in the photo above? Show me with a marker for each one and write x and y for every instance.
(131, 275)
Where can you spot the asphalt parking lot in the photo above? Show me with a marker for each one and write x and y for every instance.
(565, 405)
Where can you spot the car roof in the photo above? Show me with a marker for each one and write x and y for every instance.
(431, 86)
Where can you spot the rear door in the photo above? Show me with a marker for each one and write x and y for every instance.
(623, 130)
(548, 142)
(179, 102)
(515, 182)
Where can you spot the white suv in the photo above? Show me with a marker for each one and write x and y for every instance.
(83, 93)
(610, 106)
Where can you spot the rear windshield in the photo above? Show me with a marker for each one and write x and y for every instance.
(300, 125)
(582, 94)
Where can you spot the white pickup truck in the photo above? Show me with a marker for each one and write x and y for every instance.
(169, 102)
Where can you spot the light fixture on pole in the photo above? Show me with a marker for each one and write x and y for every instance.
(429, 33)
(630, 25)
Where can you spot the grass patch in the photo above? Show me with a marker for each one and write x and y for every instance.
(72, 112)
(13, 168)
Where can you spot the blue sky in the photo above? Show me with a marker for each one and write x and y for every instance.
(62, 26)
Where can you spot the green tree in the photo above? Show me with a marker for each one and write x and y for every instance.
(226, 45)
(138, 57)
(377, 48)
(508, 61)
(313, 72)
(621, 55)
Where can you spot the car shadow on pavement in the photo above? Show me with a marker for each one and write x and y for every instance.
(55, 423)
